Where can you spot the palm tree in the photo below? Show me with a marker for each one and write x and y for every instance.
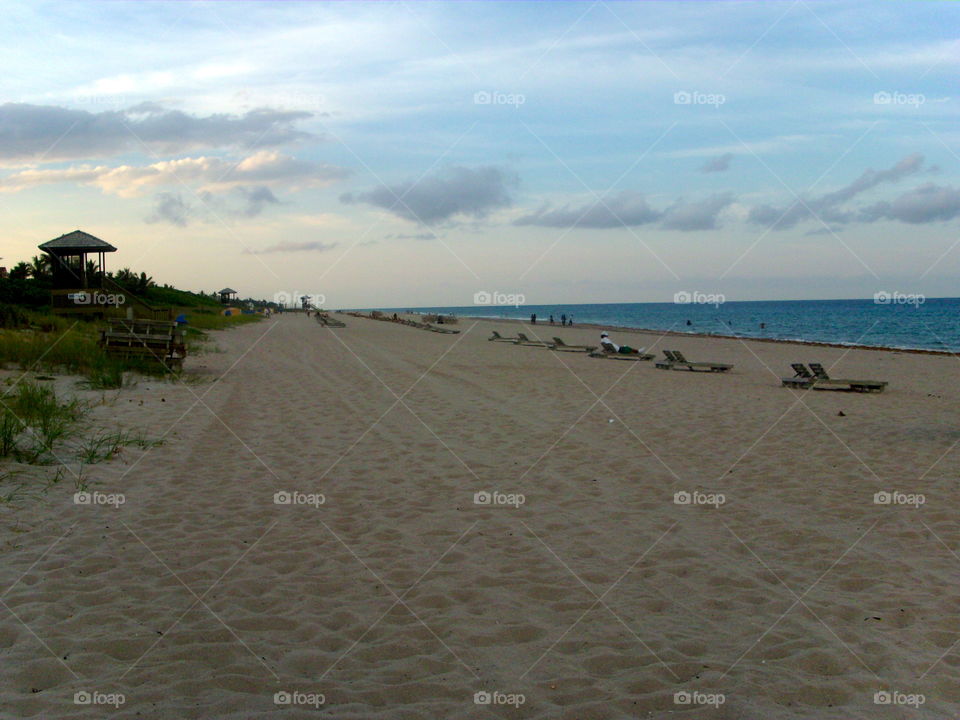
(143, 283)
(40, 268)
(20, 271)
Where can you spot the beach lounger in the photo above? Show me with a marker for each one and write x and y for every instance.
(497, 337)
(563, 347)
(445, 331)
(326, 321)
(668, 363)
(638, 356)
(676, 361)
(524, 340)
(802, 378)
(825, 382)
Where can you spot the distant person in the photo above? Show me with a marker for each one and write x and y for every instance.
(610, 346)
(563, 319)
(551, 319)
(763, 326)
(533, 318)
(689, 323)
(570, 321)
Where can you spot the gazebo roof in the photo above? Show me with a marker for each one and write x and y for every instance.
(227, 290)
(77, 240)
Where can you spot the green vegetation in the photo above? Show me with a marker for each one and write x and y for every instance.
(33, 420)
(32, 338)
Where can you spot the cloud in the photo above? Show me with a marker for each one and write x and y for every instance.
(925, 204)
(455, 191)
(265, 166)
(170, 208)
(255, 200)
(286, 247)
(700, 215)
(48, 133)
(415, 236)
(626, 208)
(717, 164)
(235, 202)
(829, 206)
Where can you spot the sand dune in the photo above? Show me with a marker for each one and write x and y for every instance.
(597, 596)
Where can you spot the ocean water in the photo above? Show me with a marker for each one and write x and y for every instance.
(902, 322)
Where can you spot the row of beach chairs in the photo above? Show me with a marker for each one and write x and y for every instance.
(816, 377)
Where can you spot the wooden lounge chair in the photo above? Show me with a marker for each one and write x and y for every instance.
(679, 362)
(605, 352)
(524, 340)
(497, 337)
(327, 321)
(825, 382)
(560, 345)
(668, 363)
(802, 378)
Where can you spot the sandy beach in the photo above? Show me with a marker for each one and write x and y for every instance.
(375, 586)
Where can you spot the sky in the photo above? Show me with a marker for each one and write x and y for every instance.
(414, 154)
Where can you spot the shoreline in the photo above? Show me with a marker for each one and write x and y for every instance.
(676, 333)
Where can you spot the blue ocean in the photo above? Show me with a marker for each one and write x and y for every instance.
(898, 322)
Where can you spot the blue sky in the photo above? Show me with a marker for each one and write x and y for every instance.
(415, 153)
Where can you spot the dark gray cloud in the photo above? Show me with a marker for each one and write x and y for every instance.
(925, 204)
(31, 133)
(415, 236)
(170, 208)
(286, 247)
(237, 202)
(829, 206)
(700, 215)
(626, 208)
(255, 199)
(455, 191)
(717, 164)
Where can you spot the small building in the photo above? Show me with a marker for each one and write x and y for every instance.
(78, 272)
(228, 296)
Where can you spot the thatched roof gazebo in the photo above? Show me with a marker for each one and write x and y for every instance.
(68, 254)
(228, 296)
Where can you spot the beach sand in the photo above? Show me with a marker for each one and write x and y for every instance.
(399, 597)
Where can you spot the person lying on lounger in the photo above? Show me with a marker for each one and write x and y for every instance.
(610, 346)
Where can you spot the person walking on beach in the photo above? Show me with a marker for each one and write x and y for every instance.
(570, 321)
(551, 319)
(563, 319)
(533, 318)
